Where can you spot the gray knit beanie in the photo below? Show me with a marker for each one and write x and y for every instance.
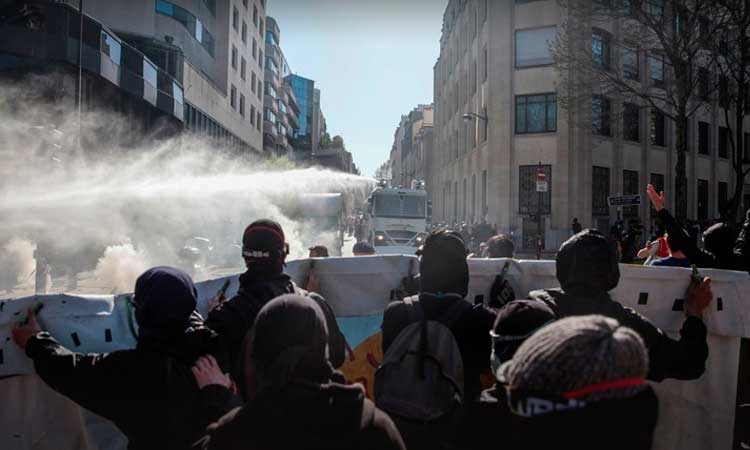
(578, 359)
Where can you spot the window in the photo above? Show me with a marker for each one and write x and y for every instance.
(723, 91)
(703, 84)
(533, 47)
(260, 89)
(260, 58)
(484, 192)
(630, 187)
(723, 142)
(528, 197)
(657, 180)
(252, 81)
(233, 97)
(189, 21)
(704, 138)
(255, 15)
(244, 3)
(243, 68)
(723, 195)
(702, 199)
(242, 105)
(271, 91)
(258, 120)
(600, 191)
(536, 113)
(236, 19)
(485, 65)
(658, 136)
(631, 122)
(600, 116)
(244, 32)
(261, 27)
(630, 66)
(234, 57)
(255, 49)
(600, 48)
(252, 115)
(656, 69)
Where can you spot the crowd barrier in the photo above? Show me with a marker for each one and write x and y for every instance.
(695, 415)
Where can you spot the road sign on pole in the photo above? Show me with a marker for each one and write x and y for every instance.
(541, 181)
(624, 200)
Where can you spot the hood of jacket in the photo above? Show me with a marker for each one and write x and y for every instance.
(588, 263)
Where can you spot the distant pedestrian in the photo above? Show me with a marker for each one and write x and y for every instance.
(576, 226)
(318, 251)
(363, 248)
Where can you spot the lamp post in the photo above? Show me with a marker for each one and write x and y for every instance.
(541, 188)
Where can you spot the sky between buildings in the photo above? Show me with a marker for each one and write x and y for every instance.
(372, 60)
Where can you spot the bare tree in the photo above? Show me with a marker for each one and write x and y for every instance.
(671, 34)
(383, 173)
(732, 48)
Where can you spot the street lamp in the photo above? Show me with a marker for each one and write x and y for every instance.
(470, 116)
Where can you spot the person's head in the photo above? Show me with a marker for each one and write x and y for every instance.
(319, 251)
(575, 219)
(677, 242)
(288, 343)
(164, 300)
(500, 246)
(363, 248)
(587, 263)
(442, 264)
(583, 370)
(719, 239)
(516, 321)
(264, 247)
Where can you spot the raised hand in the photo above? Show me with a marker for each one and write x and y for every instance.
(207, 372)
(657, 198)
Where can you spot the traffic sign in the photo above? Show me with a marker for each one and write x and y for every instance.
(624, 200)
(541, 186)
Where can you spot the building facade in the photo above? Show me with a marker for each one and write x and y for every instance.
(412, 145)
(496, 66)
(281, 111)
(215, 48)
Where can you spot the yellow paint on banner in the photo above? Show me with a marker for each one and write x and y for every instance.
(362, 362)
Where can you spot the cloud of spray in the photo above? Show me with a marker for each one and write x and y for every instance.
(120, 210)
(17, 263)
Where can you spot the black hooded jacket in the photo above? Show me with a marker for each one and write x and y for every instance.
(297, 399)
(149, 393)
(587, 270)
(304, 415)
(233, 319)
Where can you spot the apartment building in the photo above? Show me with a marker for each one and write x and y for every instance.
(281, 111)
(212, 48)
(412, 145)
(497, 123)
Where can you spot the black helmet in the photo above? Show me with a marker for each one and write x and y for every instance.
(588, 263)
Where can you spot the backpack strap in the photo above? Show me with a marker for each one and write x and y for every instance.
(454, 312)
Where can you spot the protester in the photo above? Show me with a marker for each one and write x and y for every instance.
(264, 249)
(318, 251)
(444, 282)
(676, 256)
(363, 248)
(149, 392)
(723, 250)
(500, 246)
(656, 249)
(296, 399)
(516, 322)
(580, 383)
(576, 226)
(587, 270)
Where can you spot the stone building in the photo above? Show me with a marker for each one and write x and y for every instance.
(497, 123)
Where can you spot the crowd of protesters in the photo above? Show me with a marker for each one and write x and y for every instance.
(261, 371)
